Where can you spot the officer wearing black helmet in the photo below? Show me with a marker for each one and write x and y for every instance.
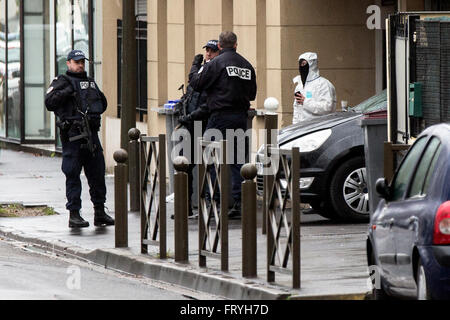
(230, 84)
(78, 103)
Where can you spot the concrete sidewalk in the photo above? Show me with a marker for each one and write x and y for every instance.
(333, 260)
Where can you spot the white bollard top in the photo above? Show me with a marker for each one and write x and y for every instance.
(271, 105)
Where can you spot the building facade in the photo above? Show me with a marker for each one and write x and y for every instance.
(36, 35)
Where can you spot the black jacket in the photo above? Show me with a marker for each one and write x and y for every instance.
(229, 81)
(74, 90)
(198, 104)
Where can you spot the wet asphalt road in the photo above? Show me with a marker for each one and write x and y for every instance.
(28, 274)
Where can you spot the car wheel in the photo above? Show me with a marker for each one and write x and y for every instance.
(349, 191)
(423, 292)
(324, 210)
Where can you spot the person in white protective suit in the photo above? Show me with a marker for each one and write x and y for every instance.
(314, 95)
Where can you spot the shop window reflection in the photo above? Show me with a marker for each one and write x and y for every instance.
(13, 79)
(63, 33)
(81, 27)
(38, 121)
(2, 68)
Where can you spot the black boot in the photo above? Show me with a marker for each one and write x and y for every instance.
(235, 212)
(76, 221)
(101, 218)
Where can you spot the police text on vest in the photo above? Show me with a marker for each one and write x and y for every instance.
(244, 74)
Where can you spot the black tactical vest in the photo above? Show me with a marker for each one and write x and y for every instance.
(87, 95)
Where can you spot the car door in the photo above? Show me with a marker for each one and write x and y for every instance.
(384, 243)
(410, 214)
(384, 235)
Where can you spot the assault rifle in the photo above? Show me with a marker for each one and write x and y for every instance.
(86, 133)
(181, 106)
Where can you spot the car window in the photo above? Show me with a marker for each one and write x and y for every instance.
(425, 169)
(406, 169)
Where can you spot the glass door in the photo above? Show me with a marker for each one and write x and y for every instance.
(13, 69)
(3, 76)
(39, 123)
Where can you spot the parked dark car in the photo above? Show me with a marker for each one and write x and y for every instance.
(409, 233)
(333, 174)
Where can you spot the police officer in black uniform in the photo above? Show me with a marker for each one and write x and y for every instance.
(196, 109)
(230, 84)
(78, 103)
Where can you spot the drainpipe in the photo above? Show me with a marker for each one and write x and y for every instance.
(129, 71)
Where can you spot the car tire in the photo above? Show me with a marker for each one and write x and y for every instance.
(423, 291)
(350, 200)
(324, 210)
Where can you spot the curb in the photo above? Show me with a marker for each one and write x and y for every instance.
(349, 296)
(29, 149)
(212, 281)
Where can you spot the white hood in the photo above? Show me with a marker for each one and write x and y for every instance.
(319, 93)
(311, 58)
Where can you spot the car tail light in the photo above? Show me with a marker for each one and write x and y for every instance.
(442, 224)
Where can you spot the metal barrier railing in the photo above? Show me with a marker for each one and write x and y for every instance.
(279, 248)
(213, 184)
(153, 193)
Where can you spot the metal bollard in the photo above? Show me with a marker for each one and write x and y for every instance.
(120, 199)
(249, 257)
(181, 165)
(133, 164)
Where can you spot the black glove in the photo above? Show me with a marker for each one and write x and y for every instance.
(198, 59)
(63, 125)
(68, 91)
(185, 120)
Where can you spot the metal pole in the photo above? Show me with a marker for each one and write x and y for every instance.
(162, 197)
(142, 164)
(120, 199)
(249, 257)
(201, 213)
(129, 71)
(181, 165)
(133, 164)
(388, 161)
(224, 196)
(270, 123)
(295, 196)
(268, 190)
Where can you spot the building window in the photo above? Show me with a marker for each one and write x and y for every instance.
(35, 38)
(3, 76)
(63, 33)
(437, 5)
(36, 69)
(141, 48)
(72, 31)
(13, 68)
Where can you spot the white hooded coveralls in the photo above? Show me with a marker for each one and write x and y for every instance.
(319, 93)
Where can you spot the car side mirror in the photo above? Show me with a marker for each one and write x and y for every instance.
(382, 188)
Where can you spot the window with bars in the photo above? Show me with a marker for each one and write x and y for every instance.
(141, 48)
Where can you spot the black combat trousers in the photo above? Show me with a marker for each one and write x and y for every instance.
(233, 121)
(74, 159)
